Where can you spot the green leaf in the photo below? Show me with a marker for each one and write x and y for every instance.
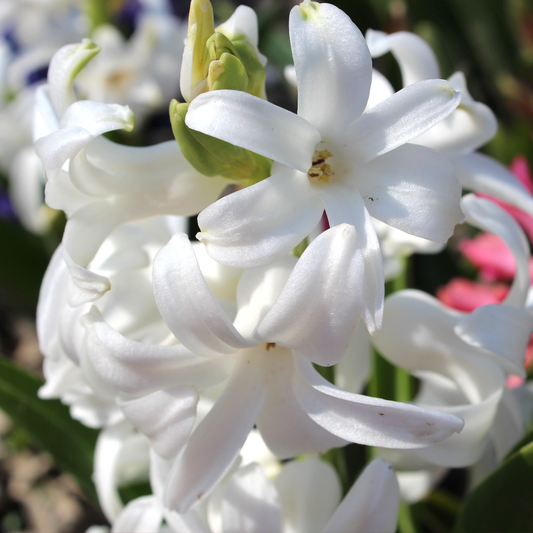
(503, 501)
(49, 424)
(23, 264)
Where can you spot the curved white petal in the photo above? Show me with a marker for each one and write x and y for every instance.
(188, 306)
(333, 66)
(166, 417)
(45, 118)
(139, 368)
(414, 189)
(416, 59)
(481, 173)
(470, 126)
(368, 420)
(53, 292)
(502, 330)
(255, 124)
(286, 428)
(250, 503)
(82, 122)
(109, 446)
(320, 306)
(64, 66)
(401, 118)
(418, 334)
(242, 22)
(60, 145)
(215, 443)
(309, 492)
(372, 503)
(97, 117)
(260, 224)
(142, 515)
(490, 217)
(345, 204)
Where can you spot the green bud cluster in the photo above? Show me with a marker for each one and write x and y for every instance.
(214, 61)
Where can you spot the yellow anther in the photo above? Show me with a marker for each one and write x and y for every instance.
(320, 170)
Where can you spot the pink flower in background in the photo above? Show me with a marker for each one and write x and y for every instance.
(490, 254)
(466, 295)
(520, 168)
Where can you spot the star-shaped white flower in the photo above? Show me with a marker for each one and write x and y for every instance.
(332, 155)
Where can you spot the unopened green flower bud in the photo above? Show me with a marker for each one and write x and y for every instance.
(206, 46)
(213, 157)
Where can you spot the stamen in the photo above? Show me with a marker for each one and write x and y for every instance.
(320, 170)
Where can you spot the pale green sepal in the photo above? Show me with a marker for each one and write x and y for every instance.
(213, 157)
(64, 67)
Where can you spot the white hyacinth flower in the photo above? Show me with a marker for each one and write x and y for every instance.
(99, 184)
(462, 360)
(304, 497)
(457, 137)
(331, 155)
(290, 315)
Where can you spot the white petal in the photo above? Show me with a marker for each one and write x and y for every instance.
(284, 425)
(106, 456)
(65, 64)
(45, 118)
(414, 189)
(57, 147)
(188, 306)
(320, 306)
(51, 298)
(260, 224)
(309, 492)
(415, 57)
(347, 206)
(372, 503)
(243, 21)
(255, 124)
(142, 515)
(333, 66)
(215, 443)
(166, 417)
(82, 122)
(470, 126)
(502, 330)
(486, 215)
(400, 118)
(418, 334)
(250, 503)
(481, 173)
(97, 117)
(135, 367)
(368, 420)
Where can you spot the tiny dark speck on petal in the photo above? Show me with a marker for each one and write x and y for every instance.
(200, 495)
(430, 423)
(381, 414)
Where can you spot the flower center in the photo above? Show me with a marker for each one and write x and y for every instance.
(321, 171)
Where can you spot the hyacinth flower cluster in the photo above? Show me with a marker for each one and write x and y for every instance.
(208, 363)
